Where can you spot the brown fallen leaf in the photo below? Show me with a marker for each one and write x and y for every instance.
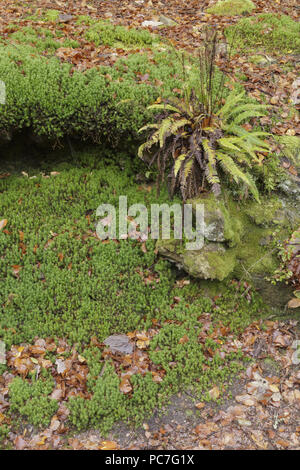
(108, 445)
(125, 386)
(20, 443)
(3, 223)
(294, 303)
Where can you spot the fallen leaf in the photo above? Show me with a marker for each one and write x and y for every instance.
(3, 223)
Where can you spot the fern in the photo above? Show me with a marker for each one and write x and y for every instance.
(230, 167)
(178, 163)
(195, 143)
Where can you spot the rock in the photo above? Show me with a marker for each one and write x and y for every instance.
(167, 21)
(291, 188)
(2, 353)
(65, 18)
(237, 238)
(211, 262)
(119, 344)
(295, 96)
(151, 23)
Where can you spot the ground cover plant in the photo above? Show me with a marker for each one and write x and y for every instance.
(91, 105)
(268, 32)
(58, 280)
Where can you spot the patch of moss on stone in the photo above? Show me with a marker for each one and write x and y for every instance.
(231, 7)
(246, 238)
(268, 214)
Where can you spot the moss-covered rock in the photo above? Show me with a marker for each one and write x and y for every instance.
(238, 238)
(231, 7)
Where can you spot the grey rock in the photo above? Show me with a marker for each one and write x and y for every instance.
(2, 353)
(167, 21)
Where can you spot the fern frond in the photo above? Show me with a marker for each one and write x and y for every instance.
(177, 124)
(188, 168)
(163, 130)
(164, 107)
(246, 115)
(229, 143)
(253, 107)
(148, 144)
(232, 100)
(211, 174)
(238, 175)
(178, 163)
(148, 126)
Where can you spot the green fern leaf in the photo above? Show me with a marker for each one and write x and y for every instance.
(231, 101)
(246, 115)
(167, 107)
(230, 167)
(148, 126)
(163, 130)
(178, 162)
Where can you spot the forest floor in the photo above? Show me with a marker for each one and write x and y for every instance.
(262, 408)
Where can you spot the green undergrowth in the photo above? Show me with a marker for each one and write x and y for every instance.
(231, 7)
(42, 39)
(69, 282)
(273, 33)
(57, 280)
(103, 32)
(103, 104)
(30, 400)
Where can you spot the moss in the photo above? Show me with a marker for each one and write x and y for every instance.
(270, 366)
(92, 105)
(248, 230)
(271, 32)
(51, 15)
(104, 32)
(231, 7)
(291, 147)
(269, 213)
(32, 401)
(209, 264)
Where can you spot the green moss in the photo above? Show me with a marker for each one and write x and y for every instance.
(79, 295)
(97, 289)
(41, 38)
(43, 95)
(51, 15)
(231, 7)
(210, 264)
(104, 32)
(106, 406)
(32, 401)
(268, 31)
(269, 213)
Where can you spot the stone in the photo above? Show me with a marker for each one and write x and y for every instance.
(167, 21)
(262, 60)
(65, 18)
(295, 96)
(151, 23)
(2, 353)
(237, 238)
(119, 344)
